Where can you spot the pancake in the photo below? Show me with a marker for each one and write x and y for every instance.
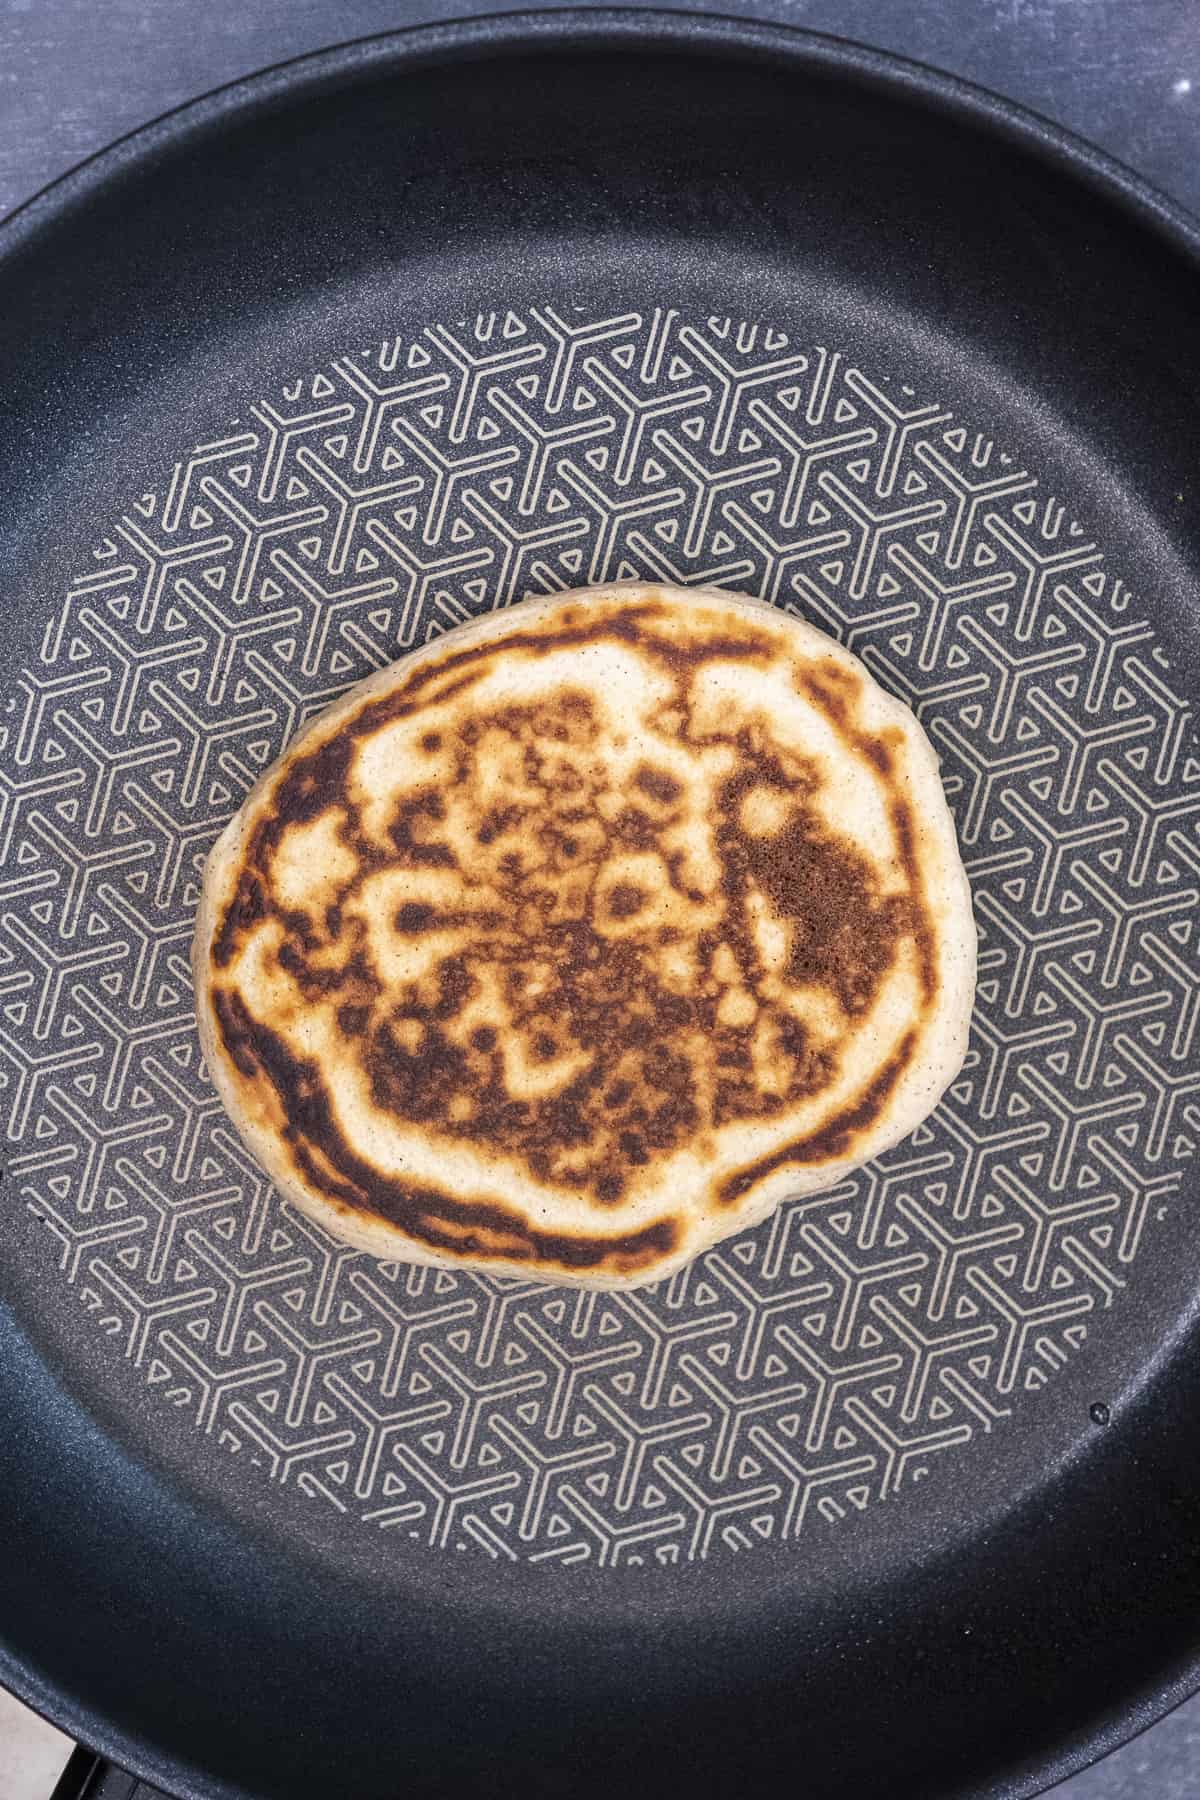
(585, 935)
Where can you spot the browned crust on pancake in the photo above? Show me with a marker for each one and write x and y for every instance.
(477, 1228)
(641, 1094)
(835, 1140)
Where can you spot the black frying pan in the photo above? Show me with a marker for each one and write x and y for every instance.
(894, 1496)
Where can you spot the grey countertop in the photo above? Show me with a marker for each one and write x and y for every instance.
(74, 74)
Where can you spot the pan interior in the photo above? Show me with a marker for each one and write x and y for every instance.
(837, 1355)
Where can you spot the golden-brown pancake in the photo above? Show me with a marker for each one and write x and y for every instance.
(586, 934)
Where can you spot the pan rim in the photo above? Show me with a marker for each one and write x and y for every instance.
(591, 30)
(597, 28)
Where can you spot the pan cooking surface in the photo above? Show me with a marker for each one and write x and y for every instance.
(328, 367)
(838, 1355)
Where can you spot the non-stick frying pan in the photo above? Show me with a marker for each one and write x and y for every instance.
(893, 1496)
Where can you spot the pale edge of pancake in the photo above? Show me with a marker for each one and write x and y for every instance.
(920, 1088)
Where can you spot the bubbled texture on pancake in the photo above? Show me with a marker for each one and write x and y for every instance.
(577, 940)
